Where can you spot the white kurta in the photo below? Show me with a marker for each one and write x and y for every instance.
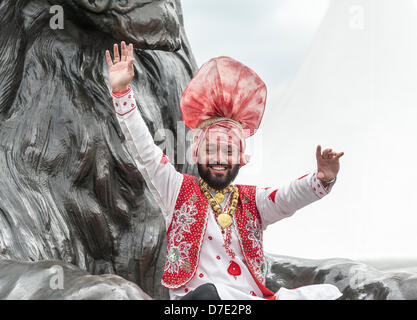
(273, 205)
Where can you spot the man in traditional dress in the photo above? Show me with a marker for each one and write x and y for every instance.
(214, 228)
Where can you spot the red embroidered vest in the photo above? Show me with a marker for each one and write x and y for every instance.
(186, 231)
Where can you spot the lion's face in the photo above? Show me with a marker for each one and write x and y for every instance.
(148, 24)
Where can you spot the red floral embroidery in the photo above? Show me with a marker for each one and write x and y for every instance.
(234, 269)
(218, 257)
(210, 238)
(227, 236)
(201, 275)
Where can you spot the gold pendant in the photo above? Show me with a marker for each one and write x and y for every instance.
(224, 220)
(219, 197)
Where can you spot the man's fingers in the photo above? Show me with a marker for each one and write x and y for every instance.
(339, 155)
(326, 154)
(108, 59)
(318, 152)
(124, 51)
(116, 53)
(130, 51)
(130, 63)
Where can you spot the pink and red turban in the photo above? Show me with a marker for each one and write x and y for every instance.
(224, 98)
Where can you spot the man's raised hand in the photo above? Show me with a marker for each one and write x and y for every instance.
(327, 164)
(121, 70)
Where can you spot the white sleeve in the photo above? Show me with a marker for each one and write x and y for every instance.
(275, 204)
(161, 177)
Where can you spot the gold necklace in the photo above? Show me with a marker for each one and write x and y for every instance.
(219, 194)
(223, 219)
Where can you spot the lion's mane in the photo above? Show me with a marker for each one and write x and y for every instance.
(69, 188)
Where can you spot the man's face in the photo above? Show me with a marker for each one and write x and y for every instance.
(218, 163)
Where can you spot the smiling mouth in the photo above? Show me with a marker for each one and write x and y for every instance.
(218, 168)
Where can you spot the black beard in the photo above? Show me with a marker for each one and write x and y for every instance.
(213, 181)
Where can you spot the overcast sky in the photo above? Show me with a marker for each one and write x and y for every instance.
(274, 37)
(270, 36)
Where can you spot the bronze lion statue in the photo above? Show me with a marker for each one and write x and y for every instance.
(70, 190)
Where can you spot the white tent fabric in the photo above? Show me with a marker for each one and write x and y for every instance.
(356, 92)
